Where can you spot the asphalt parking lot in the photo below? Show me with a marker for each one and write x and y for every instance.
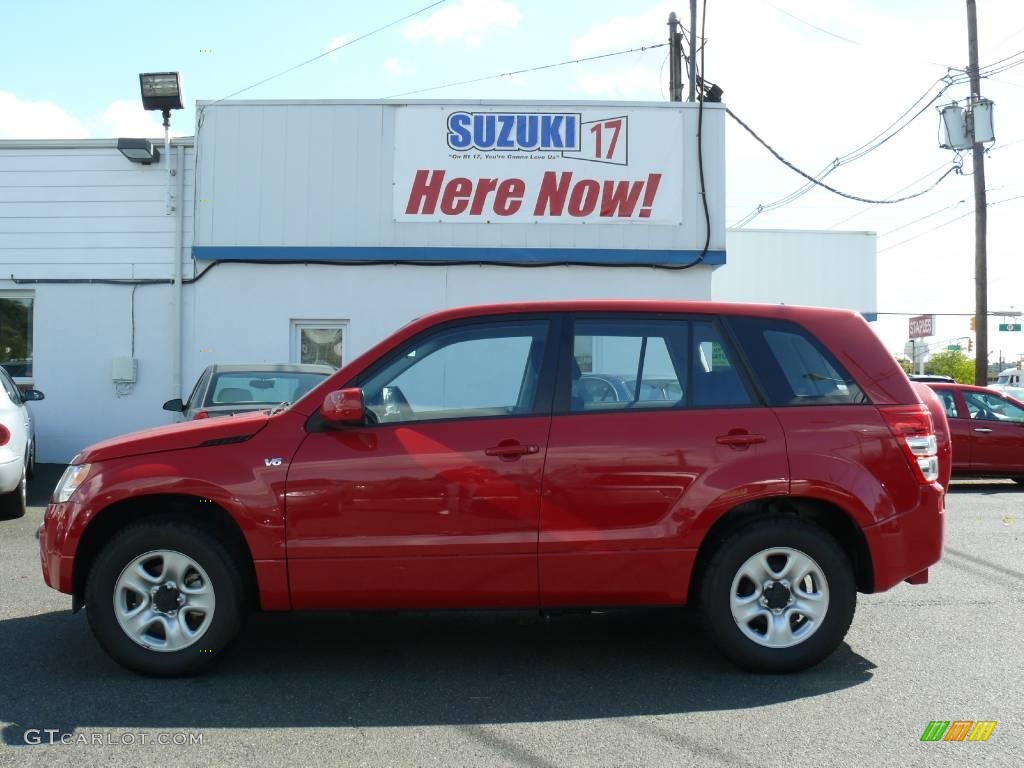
(511, 689)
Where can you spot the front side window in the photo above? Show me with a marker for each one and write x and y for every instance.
(475, 371)
(16, 335)
(792, 366)
(987, 407)
(628, 363)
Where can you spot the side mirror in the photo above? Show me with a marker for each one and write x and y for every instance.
(32, 394)
(174, 405)
(344, 406)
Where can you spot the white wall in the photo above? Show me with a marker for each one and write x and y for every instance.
(321, 173)
(821, 268)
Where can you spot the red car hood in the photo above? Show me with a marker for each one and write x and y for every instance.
(189, 434)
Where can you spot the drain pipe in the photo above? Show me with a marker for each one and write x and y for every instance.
(176, 289)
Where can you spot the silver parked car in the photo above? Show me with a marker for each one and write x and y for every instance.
(224, 390)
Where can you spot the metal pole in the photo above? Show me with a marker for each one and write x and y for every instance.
(675, 55)
(179, 251)
(167, 155)
(980, 211)
(693, 51)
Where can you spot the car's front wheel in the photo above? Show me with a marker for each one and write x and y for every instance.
(164, 598)
(779, 595)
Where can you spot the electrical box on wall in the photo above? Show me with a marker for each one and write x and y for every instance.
(125, 370)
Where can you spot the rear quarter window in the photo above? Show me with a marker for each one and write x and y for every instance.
(792, 366)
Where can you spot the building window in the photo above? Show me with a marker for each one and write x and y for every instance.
(318, 342)
(16, 334)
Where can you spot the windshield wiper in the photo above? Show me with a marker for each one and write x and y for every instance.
(280, 407)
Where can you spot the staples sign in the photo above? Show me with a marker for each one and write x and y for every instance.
(922, 326)
(492, 166)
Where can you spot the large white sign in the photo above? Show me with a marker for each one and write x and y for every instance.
(493, 164)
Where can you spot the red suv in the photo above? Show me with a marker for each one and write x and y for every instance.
(987, 430)
(460, 464)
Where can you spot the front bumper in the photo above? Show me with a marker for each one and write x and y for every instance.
(905, 546)
(56, 565)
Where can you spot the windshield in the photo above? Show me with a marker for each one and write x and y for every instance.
(245, 388)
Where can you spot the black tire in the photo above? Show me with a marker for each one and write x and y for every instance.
(723, 567)
(199, 545)
(14, 503)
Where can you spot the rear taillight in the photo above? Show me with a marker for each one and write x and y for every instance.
(201, 415)
(5, 435)
(914, 431)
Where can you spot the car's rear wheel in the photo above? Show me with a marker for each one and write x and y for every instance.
(779, 595)
(165, 598)
(14, 503)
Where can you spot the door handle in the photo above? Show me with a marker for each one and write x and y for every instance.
(509, 450)
(737, 439)
(982, 429)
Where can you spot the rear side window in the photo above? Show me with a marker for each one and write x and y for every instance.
(793, 367)
(716, 379)
(627, 363)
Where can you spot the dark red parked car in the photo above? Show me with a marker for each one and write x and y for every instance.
(987, 430)
(460, 464)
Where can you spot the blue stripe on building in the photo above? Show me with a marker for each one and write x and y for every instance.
(421, 255)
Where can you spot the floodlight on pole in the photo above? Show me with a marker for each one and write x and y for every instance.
(162, 92)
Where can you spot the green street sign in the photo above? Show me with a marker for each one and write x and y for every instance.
(1009, 326)
(953, 348)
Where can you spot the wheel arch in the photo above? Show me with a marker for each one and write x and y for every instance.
(198, 511)
(832, 518)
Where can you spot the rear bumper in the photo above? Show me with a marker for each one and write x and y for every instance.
(904, 546)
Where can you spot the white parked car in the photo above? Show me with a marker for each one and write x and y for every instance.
(17, 446)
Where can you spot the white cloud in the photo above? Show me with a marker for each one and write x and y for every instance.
(630, 84)
(392, 66)
(623, 32)
(128, 118)
(336, 42)
(21, 119)
(469, 21)
(36, 120)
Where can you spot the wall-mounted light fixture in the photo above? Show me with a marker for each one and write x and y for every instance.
(138, 150)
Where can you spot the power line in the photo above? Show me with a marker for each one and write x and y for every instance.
(497, 75)
(850, 40)
(822, 184)
(867, 208)
(875, 142)
(347, 43)
(947, 223)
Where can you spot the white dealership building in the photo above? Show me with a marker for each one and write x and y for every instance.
(306, 231)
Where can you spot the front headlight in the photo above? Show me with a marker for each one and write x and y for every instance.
(73, 477)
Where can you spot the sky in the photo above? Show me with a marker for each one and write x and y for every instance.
(815, 79)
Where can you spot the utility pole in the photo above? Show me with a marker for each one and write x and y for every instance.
(980, 210)
(675, 57)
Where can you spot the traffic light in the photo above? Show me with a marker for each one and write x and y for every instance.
(974, 322)
(970, 342)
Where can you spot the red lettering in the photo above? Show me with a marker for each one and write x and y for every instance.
(483, 188)
(554, 188)
(456, 196)
(583, 199)
(619, 198)
(425, 189)
(509, 197)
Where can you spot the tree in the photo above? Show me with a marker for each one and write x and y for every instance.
(906, 364)
(951, 363)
